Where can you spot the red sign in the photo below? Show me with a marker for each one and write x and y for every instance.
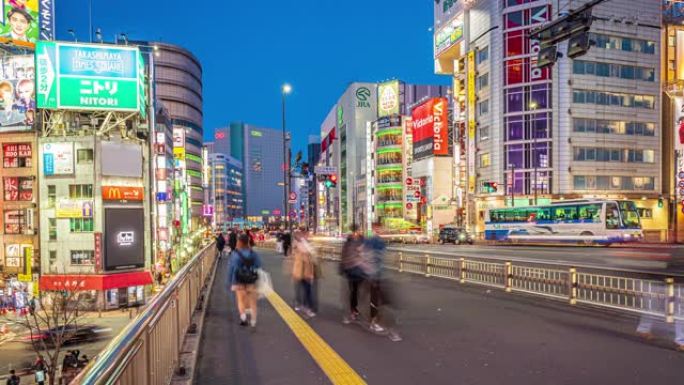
(409, 181)
(95, 282)
(16, 150)
(122, 193)
(431, 128)
(98, 251)
(409, 206)
(276, 212)
(220, 135)
(423, 200)
(417, 194)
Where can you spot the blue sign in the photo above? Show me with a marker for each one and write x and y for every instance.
(48, 164)
(162, 197)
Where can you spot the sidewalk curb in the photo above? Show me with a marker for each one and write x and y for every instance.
(189, 353)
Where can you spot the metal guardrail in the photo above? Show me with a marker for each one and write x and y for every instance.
(147, 351)
(638, 292)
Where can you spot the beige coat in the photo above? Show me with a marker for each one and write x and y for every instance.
(304, 264)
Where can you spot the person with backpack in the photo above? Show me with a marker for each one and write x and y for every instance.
(13, 378)
(243, 275)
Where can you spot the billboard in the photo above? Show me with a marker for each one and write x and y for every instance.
(17, 93)
(88, 77)
(58, 158)
(124, 238)
(448, 35)
(122, 193)
(66, 208)
(23, 22)
(430, 129)
(388, 98)
(121, 159)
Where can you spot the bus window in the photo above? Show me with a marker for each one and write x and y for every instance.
(590, 213)
(630, 215)
(612, 216)
(565, 213)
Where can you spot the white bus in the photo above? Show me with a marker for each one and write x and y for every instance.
(587, 222)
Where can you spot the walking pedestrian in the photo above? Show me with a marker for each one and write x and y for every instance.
(13, 378)
(351, 269)
(243, 275)
(220, 244)
(287, 243)
(232, 240)
(304, 274)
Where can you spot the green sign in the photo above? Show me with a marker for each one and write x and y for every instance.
(89, 77)
(340, 116)
(265, 212)
(449, 35)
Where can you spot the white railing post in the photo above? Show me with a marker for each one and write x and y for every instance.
(509, 277)
(670, 304)
(462, 270)
(427, 265)
(401, 262)
(572, 295)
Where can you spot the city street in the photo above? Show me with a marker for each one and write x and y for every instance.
(15, 354)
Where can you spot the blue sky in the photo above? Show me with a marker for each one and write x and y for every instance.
(248, 48)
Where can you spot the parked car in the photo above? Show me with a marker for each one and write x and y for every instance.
(455, 235)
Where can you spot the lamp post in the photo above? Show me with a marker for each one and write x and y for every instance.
(286, 89)
(533, 108)
(512, 167)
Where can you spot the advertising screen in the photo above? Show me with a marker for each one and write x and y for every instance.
(121, 159)
(430, 129)
(88, 77)
(124, 238)
(388, 98)
(23, 22)
(17, 93)
(448, 35)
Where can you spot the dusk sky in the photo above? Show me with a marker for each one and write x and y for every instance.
(249, 48)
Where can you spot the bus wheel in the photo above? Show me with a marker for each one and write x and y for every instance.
(587, 242)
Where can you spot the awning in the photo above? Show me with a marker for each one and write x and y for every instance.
(95, 282)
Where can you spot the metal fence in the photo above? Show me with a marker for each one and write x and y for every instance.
(634, 291)
(146, 352)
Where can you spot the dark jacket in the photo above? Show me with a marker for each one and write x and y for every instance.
(220, 242)
(351, 260)
(232, 240)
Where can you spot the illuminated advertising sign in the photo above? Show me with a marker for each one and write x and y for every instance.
(58, 158)
(679, 130)
(122, 193)
(65, 208)
(124, 239)
(448, 35)
(388, 98)
(471, 121)
(89, 77)
(673, 11)
(17, 93)
(23, 22)
(178, 137)
(14, 154)
(430, 129)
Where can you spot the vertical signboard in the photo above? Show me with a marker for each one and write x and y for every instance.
(88, 77)
(388, 98)
(23, 22)
(98, 251)
(471, 121)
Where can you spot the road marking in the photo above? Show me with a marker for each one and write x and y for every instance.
(332, 364)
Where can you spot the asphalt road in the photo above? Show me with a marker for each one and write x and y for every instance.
(452, 334)
(651, 258)
(15, 354)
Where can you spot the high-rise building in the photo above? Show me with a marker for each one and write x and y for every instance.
(584, 128)
(313, 154)
(178, 84)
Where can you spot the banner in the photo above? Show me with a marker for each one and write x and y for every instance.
(65, 208)
(388, 98)
(471, 74)
(58, 158)
(431, 129)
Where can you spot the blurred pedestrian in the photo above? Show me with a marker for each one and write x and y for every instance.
(243, 275)
(382, 320)
(252, 242)
(232, 240)
(646, 322)
(351, 268)
(13, 378)
(304, 268)
(287, 243)
(220, 244)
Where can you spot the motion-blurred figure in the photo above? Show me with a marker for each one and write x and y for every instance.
(646, 322)
(304, 269)
(351, 268)
(380, 290)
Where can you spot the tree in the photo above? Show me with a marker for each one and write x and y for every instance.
(53, 318)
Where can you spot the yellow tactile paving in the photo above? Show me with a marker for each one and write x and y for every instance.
(334, 366)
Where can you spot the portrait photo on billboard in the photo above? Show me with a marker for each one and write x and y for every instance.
(124, 238)
(17, 93)
(20, 19)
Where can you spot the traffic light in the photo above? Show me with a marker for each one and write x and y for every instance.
(330, 181)
(490, 187)
(660, 203)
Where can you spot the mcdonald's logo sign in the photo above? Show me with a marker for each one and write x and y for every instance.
(122, 193)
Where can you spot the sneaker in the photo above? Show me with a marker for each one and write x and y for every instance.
(394, 336)
(376, 328)
(309, 313)
(252, 323)
(297, 308)
(243, 322)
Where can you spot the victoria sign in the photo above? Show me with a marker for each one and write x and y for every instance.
(431, 129)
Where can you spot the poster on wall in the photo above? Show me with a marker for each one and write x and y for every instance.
(16, 155)
(58, 158)
(124, 238)
(17, 93)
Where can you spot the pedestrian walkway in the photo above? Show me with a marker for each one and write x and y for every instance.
(453, 334)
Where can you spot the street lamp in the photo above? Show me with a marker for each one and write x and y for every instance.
(533, 108)
(286, 90)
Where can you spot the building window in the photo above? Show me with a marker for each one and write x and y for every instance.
(84, 156)
(80, 225)
(623, 43)
(51, 195)
(483, 108)
(599, 154)
(485, 160)
(616, 99)
(78, 191)
(613, 127)
(82, 257)
(15, 221)
(483, 133)
(482, 55)
(645, 213)
(52, 229)
(601, 182)
(482, 81)
(16, 155)
(18, 188)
